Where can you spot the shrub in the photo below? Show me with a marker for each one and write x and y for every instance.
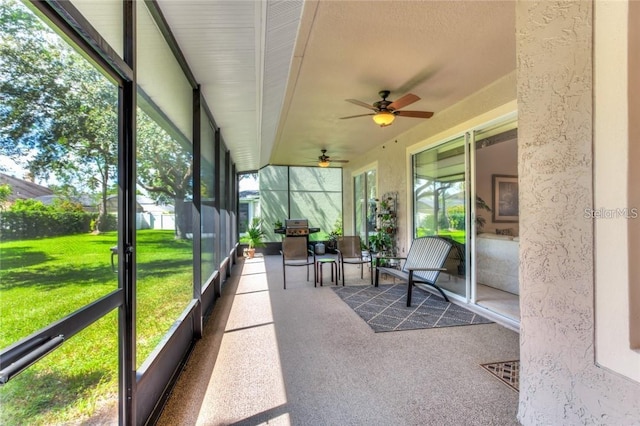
(33, 219)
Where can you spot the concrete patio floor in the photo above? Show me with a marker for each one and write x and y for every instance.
(302, 357)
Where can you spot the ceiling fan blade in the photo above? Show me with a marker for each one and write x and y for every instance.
(407, 99)
(338, 161)
(362, 104)
(415, 114)
(354, 116)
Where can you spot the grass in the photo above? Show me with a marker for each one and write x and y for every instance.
(44, 280)
(456, 235)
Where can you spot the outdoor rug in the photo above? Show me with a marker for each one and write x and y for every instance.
(384, 308)
(508, 372)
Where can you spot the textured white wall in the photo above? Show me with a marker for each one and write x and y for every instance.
(560, 382)
(611, 139)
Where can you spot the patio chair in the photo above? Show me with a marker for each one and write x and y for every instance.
(295, 252)
(423, 264)
(350, 252)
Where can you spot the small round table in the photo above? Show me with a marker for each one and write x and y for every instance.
(334, 267)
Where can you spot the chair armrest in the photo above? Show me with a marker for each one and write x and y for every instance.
(426, 269)
(377, 259)
(389, 257)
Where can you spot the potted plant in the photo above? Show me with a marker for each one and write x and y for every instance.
(381, 244)
(481, 205)
(332, 242)
(255, 234)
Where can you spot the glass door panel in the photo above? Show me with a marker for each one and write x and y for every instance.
(364, 200)
(496, 242)
(371, 196)
(58, 219)
(164, 256)
(359, 205)
(209, 256)
(440, 206)
(164, 190)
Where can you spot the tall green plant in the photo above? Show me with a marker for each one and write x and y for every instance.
(255, 233)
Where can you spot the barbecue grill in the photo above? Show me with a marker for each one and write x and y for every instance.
(296, 227)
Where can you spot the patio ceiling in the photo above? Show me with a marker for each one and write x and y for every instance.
(276, 73)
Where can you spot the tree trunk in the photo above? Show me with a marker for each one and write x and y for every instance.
(181, 212)
(101, 221)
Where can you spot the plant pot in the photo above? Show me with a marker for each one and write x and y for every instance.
(249, 253)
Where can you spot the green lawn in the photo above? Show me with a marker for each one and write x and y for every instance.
(44, 280)
(456, 235)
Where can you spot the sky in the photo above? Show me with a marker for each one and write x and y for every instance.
(9, 167)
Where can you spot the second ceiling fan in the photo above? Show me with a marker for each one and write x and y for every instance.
(384, 111)
(324, 160)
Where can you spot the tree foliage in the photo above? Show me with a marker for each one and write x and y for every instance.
(164, 168)
(59, 114)
(57, 206)
(5, 191)
(59, 119)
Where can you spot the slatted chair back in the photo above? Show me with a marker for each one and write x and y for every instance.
(427, 252)
(295, 252)
(294, 249)
(350, 252)
(350, 247)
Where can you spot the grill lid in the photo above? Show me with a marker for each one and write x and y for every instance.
(295, 227)
(296, 223)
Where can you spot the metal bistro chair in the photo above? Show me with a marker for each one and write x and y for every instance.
(350, 252)
(295, 252)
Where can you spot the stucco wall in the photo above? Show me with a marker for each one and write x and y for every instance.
(560, 382)
(611, 150)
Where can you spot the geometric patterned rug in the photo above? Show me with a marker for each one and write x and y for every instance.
(508, 372)
(384, 308)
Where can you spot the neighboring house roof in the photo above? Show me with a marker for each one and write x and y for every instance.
(23, 189)
(150, 205)
(86, 202)
(249, 195)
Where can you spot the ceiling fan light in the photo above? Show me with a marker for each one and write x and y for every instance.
(324, 163)
(384, 118)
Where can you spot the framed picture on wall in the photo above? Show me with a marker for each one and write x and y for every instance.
(505, 198)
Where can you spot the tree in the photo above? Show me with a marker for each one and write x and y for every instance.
(59, 114)
(164, 168)
(5, 191)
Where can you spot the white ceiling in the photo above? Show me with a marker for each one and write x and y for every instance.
(276, 73)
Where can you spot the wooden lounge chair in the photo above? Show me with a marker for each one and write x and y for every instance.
(423, 264)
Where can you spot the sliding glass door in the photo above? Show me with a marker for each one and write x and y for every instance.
(496, 227)
(482, 166)
(364, 203)
(440, 205)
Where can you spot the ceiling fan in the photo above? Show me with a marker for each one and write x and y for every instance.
(384, 111)
(324, 160)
